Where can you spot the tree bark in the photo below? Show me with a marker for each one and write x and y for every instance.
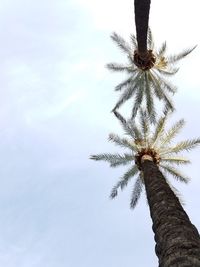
(177, 239)
(142, 8)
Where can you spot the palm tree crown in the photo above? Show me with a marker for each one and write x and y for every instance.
(147, 142)
(146, 80)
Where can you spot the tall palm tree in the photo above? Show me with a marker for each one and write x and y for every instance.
(152, 157)
(149, 81)
(142, 8)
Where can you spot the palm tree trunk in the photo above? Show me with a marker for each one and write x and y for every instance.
(177, 239)
(142, 8)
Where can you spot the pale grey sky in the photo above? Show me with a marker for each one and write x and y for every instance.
(55, 102)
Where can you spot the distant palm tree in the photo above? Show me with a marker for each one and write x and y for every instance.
(150, 152)
(147, 82)
(142, 8)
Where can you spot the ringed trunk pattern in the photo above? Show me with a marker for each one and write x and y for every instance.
(177, 239)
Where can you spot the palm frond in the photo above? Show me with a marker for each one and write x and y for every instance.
(114, 159)
(132, 129)
(134, 41)
(175, 173)
(120, 67)
(156, 85)
(119, 117)
(125, 83)
(123, 142)
(122, 44)
(149, 99)
(129, 91)
(127, 94)
(144, 122)
(175, 58)
(138, 96)
(124, 181)
(150, 42)
(168, 72)
(181, 146)
(172, 132)
(159, 129)
(169, 106)
(164, 84)
(162, 49)
(175, 160)
(136, 193)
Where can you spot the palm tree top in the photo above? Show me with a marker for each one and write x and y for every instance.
(147, 142)
(146, 79)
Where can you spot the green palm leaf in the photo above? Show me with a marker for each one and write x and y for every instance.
(175, 58)
(149, 99)
(124, 180)
(114, 159)
(150, 42)
(175, 173)
(172, 132)
(122, 44)
(123, 142)
(175, 160)
(121, 67)
(136, 193)
(162, 49)
(181, 146)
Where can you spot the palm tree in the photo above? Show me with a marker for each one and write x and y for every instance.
(152, 157)
(142, 8)
(149, 81)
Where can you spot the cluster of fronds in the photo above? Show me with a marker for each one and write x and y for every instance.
(144, 136)
(146, 84)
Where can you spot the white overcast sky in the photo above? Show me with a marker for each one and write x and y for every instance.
(55, 102)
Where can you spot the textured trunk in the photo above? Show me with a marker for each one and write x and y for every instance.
(142, 8)
(177, 239)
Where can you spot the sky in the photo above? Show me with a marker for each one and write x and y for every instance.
(55, 103)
